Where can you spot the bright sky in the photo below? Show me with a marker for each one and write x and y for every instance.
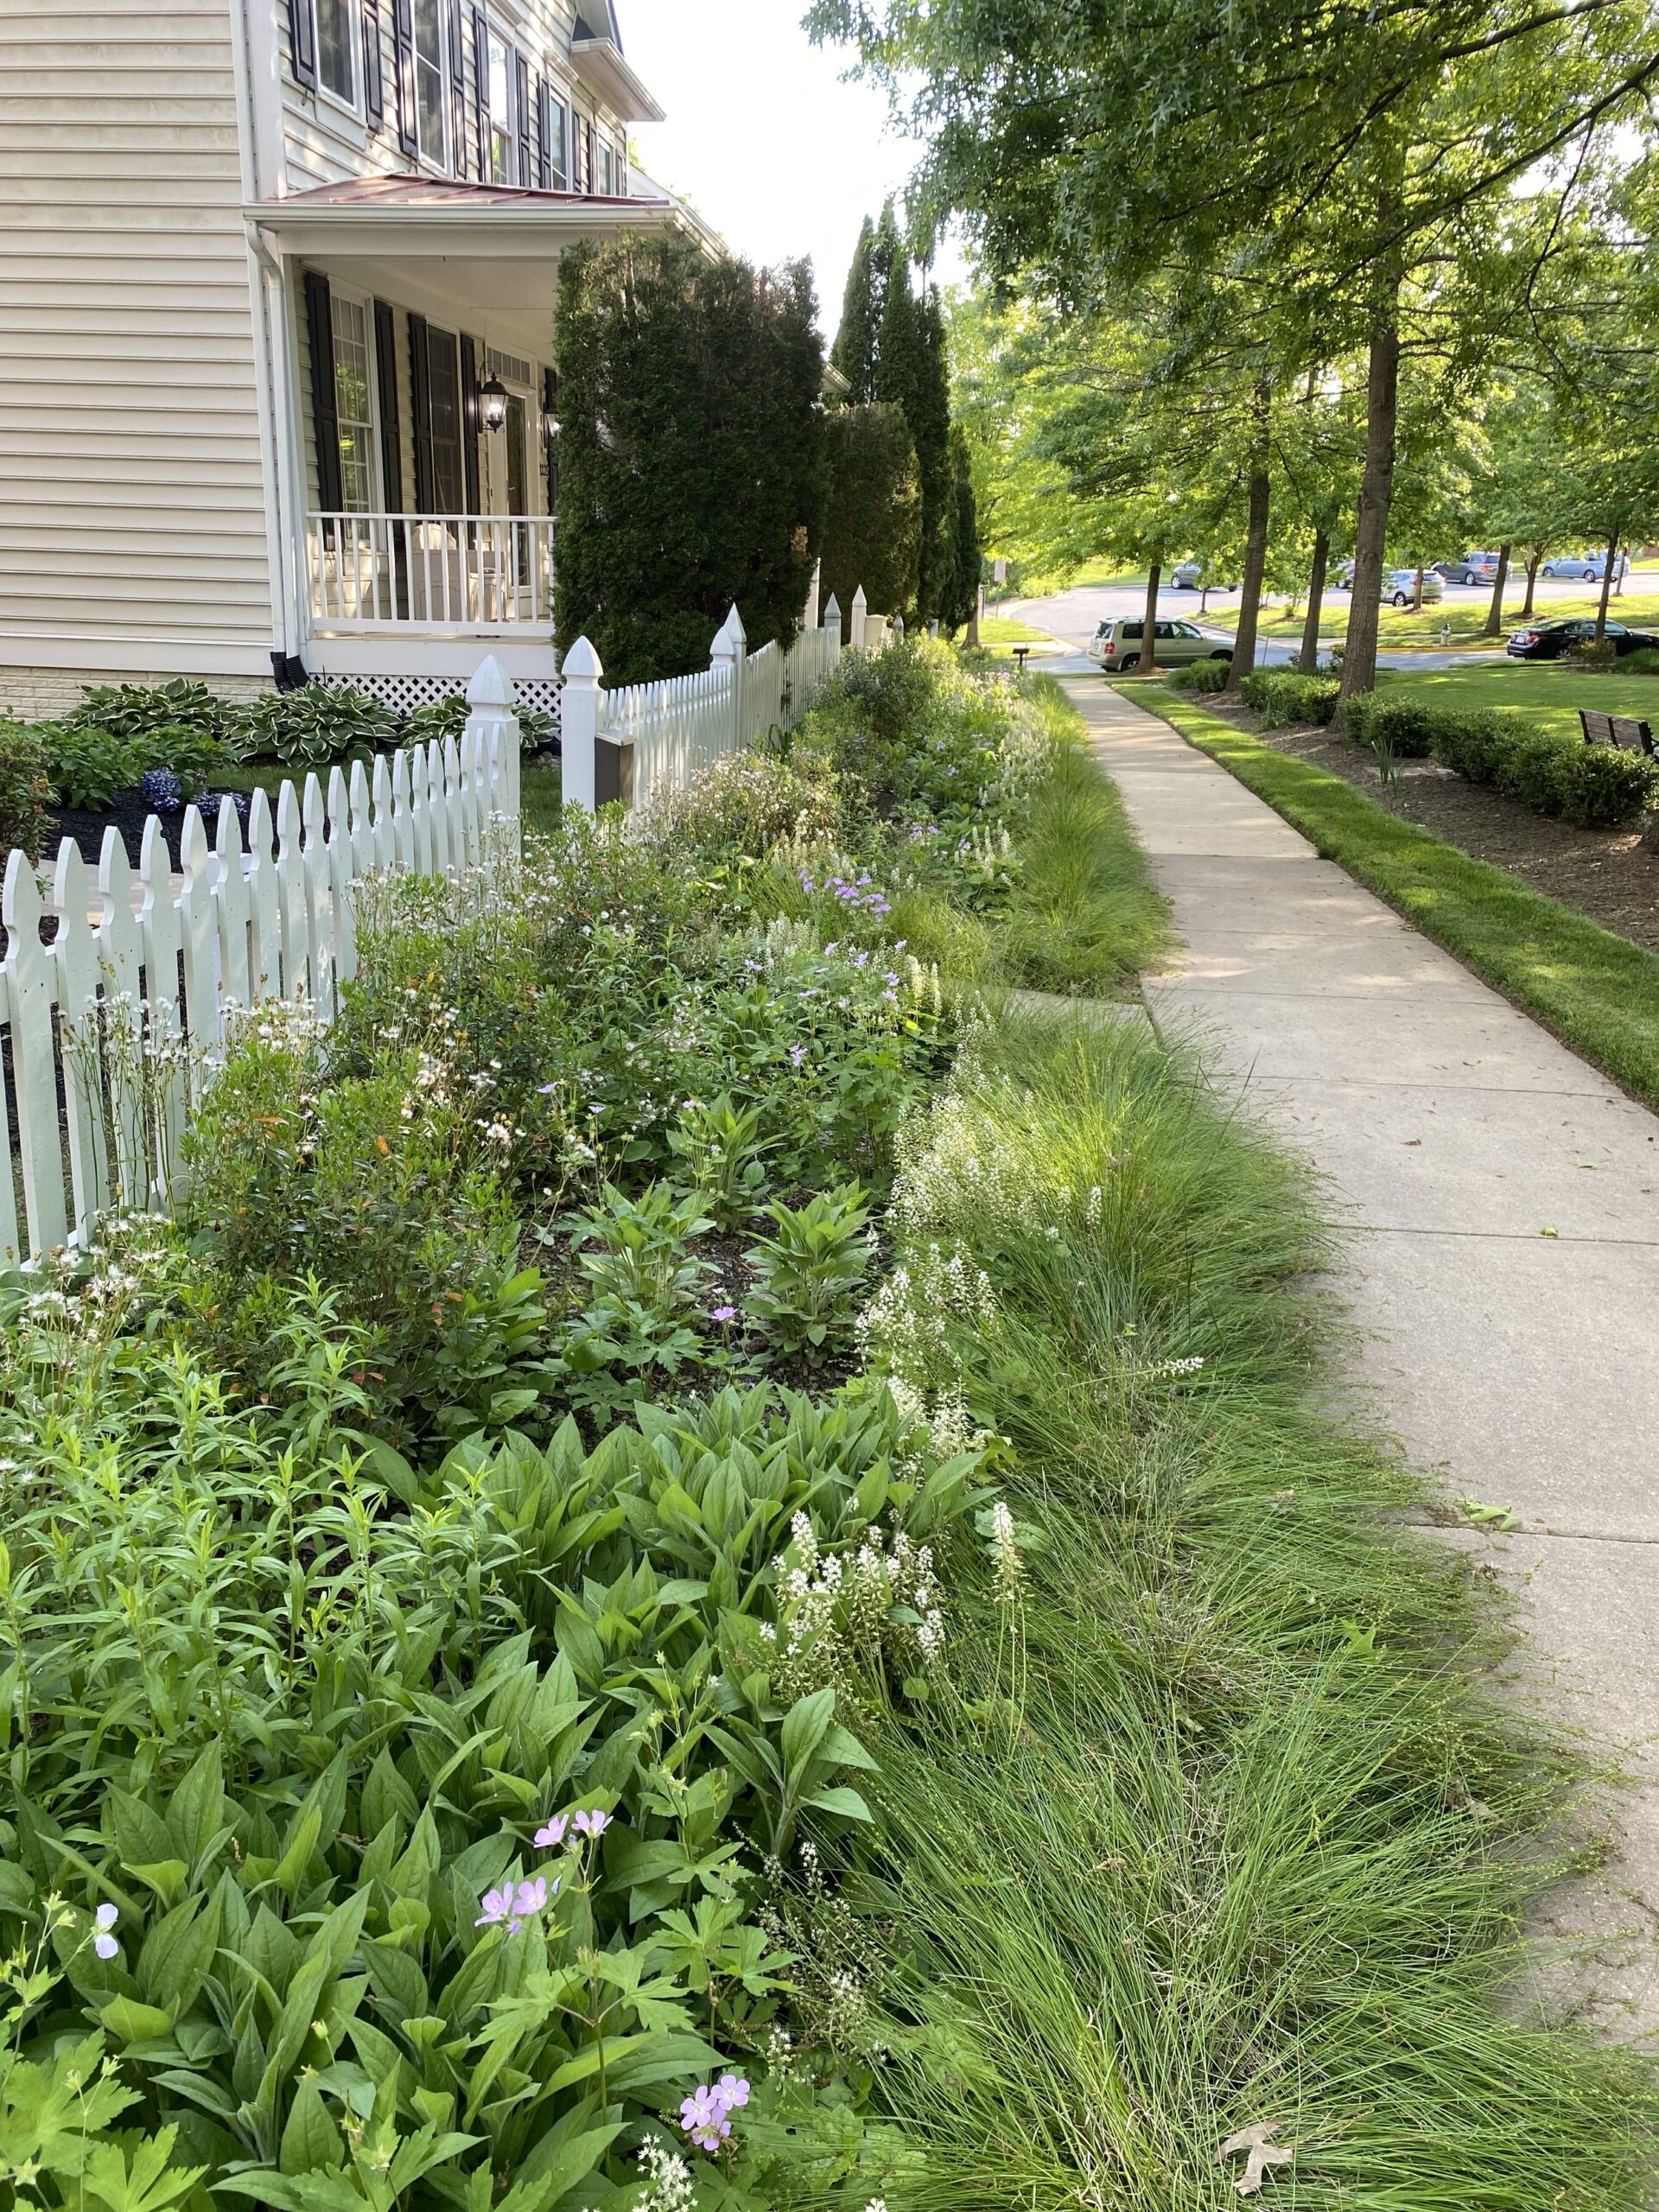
(762, 137)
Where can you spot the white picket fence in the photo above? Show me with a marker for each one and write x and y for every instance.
(667, 734)
(107, 1024)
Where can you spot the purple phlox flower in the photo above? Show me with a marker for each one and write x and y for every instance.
(531, 1897)
(498, 1907)
(592, 1824)
(797, 1053)
(723, 1313)
(861, 960)
(706, 2114)
(546, 1090)
(880, 907)
(103, 1943)
(550, 1837)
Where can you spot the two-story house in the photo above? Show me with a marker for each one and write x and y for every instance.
(278, 287)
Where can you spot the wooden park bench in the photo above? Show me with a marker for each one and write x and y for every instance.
(1615, 729)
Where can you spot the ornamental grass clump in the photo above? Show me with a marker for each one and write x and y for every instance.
(1259, 1841)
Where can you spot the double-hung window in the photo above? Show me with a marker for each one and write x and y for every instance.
(431, 89)
(555, 133)
(337, 27)
(352, 409)
(504, 113)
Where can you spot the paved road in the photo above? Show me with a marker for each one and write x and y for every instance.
(1075, 615)
(1503, 1260)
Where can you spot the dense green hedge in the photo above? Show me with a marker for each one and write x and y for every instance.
(1597, 786)
(1199, 675)
(1285, 696)
(691, 454)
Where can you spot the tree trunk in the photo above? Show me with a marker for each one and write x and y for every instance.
(1149, 625)
(1608, 566)
(974, 619)
(1417, 594)
(1494, 611)
(1535, 554)
(1376, 486)
(1309, 652)
(1256, 546)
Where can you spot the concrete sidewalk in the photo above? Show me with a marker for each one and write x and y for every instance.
(1503, 1263)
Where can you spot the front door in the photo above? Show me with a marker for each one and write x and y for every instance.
(507, 496)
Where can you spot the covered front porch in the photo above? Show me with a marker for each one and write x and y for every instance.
(421, 449)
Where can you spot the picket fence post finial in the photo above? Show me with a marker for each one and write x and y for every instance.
(578, 713)
(860, 611)
(491, 686)
(832, 622)
(730, 649)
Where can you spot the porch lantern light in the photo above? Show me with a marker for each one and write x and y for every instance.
(493, 404)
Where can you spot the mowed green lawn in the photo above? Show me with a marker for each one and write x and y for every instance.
(1545, 691)
(1399, 630)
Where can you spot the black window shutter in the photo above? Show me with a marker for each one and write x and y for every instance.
(549, 437)
(420, 409)
(374, 90)
(325, 411)
(457, 94)
(403, 76)
(386, 379)
(521, 71)
(469, 422)
(544, 135)
(593, 181)
(302, 40)
(482, 90)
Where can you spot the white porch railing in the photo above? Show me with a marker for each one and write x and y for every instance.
(488, 575)
(109, 1024)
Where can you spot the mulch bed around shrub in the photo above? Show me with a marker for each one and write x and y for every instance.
(127, 811)
(1607, 874)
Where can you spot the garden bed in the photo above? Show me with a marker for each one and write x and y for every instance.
(713, 1559)
(1608, 874)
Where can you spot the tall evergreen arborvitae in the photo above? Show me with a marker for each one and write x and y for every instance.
(693, 467)
(962, 603)
(891, 349)
(858, 340)
(929, 416)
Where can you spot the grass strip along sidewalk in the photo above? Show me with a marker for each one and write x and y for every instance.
(1216, 1836)
(520, 1694)
(1595, 991)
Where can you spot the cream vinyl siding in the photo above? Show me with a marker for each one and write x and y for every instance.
(323, 144)
(133, 522)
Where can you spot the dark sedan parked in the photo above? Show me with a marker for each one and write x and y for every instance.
(1550, 640)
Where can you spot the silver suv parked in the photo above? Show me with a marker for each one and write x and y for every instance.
(1116, 644)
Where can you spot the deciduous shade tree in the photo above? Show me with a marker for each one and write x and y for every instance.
(1345, 147)
(693, 467)
(872, 529)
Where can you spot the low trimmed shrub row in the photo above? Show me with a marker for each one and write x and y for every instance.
(1285, 697)
(1596, 786)
(1200, 675)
